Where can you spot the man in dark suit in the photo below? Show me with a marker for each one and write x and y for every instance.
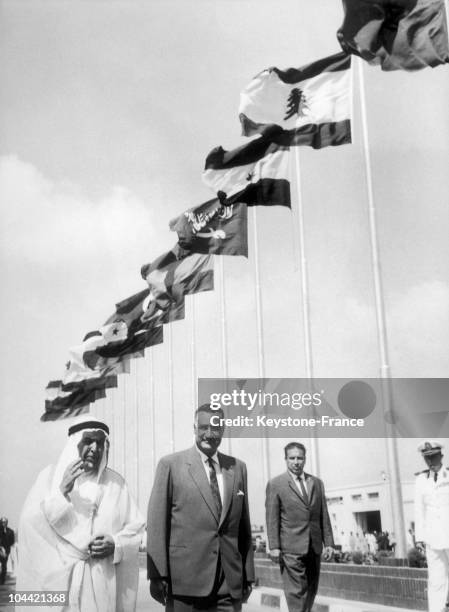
(6, 541)
(200, 554)
(297, 527)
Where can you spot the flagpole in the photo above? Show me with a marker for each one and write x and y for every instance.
(170, 388)
(124, 428)
(301, 246)
(193, 356)
(137, 428)
(266, 472)
(153, 417)
(397, 507)
(113, 430)
(223, 328)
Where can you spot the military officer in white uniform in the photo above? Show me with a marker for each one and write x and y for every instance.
(432, 522)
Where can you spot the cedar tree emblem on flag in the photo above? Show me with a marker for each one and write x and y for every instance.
(311, 104)
(296, 104)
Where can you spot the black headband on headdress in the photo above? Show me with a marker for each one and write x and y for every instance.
(88, 425)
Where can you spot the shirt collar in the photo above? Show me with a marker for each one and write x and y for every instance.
(205, 458)
(292, 475)
(442, 473)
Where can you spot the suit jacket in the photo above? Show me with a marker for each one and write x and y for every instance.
(185, 534)
(7, 539)
(291, 522)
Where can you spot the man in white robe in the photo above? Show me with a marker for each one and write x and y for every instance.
(80, 530)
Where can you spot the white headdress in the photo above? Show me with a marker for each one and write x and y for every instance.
(86, 485)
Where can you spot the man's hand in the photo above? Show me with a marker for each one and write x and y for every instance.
(101, 546)
(159, 590)
(275, 555)
(247, 590)
(71, 473)
(328, 553)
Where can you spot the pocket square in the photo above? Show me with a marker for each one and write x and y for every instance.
(240, 492)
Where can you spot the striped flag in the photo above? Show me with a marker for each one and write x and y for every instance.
(214, 228)
(175, 274)
(255, 173)
(72, 399)
(397, 34)
(94, 364)
(125, 334)
(311, 104)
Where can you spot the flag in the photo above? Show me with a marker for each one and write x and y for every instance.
(397, 34)
(311, 104)
(255, 173)
(134, 326)
(74, 398)
(213, 228)
(176, 274)
(94, 364)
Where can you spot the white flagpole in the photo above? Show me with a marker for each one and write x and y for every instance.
(153, 417)
(124, 409)
(113, 430)
(137, 428)
(397, 507)
(224, 329)
(300, 244)
(266, 471)
(170, 388)
(193, 356)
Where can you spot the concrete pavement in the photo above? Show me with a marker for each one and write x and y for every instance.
(263, 599)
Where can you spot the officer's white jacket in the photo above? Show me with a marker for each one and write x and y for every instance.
(432, 509)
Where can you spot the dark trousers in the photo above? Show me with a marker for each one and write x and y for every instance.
(213, 603)
(219, 600)
(4, 563)
(300, 576)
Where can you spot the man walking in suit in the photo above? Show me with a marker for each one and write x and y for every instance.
(297, 527)
(200, 554)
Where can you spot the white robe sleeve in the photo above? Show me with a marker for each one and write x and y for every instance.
(58, 511)
(128, 539)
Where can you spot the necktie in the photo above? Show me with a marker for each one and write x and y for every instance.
(303, 490)
(214, 485)
(435, 476)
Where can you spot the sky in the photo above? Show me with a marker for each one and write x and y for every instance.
(108, 110)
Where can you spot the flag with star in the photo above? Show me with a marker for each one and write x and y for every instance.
(311, 105)
(134, 326)
(396, 34)
(256, 173)
(94, 365)
(214, 228)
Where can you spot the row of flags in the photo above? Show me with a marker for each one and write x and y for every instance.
(307, 106)
(396, 34)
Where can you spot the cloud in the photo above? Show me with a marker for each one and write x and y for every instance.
(55, 224)
(417, 326)
(419, 323)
